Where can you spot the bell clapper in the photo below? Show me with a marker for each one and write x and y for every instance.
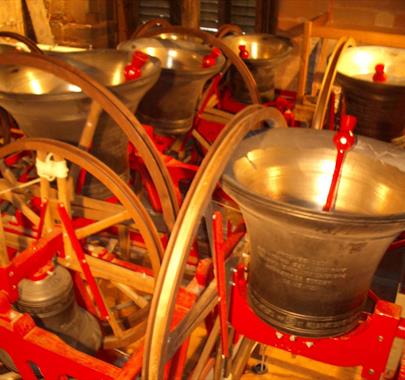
(343, 140)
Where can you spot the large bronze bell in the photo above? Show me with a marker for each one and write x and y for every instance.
(377, 104)
(51, 303)
(171, 104)
(263, 53)
(46, 106)
(310, 270)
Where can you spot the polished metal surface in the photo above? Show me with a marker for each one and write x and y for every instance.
(46, 106)
(378, 106)
(171, 104)
(180, 36)
(310, 270)
(265, 52)
(51, 303)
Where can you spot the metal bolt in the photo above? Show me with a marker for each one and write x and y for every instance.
(292, 338)
(371, 371)
(234, 270)
(84, 261)
(10, 274)
(380, 338)
(309, 344)
(279, 335)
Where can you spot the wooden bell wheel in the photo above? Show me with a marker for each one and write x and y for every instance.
(162, 339)
(5, 119)
(149, 25)
(104, 100)
(31, 45)
(93, 227)
(227, 29)
(328, 80)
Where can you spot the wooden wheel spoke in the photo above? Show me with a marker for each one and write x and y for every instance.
(129, 336)
(3, 249)
(89, 129)
(206, 352)
(102, 224)
(132, 294)
(114, 323)
(114, 273)
(7, 173)
(17, 200)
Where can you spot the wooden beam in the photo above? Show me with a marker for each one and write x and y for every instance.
(122, 33)
(224, 12)
(360, 36)
(267, 16)
(40, 21)
(12, 16)
(298, 29)
(190, 13)
(305, 52)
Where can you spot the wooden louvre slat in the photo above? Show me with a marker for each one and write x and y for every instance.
(243, 13)
(209, 14)
(149, 9)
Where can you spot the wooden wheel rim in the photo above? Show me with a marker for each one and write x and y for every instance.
(186, 225)
(121, 116)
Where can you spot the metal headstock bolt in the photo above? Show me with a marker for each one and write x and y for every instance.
(309, 344)
(380, 338)
(371, 371)
(279, 335)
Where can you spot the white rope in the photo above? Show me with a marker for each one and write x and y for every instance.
(51, 169)
(21, 186)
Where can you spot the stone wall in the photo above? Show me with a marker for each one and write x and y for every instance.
(83, 23)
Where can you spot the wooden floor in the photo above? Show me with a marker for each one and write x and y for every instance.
(283, 365)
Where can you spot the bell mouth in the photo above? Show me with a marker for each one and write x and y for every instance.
(106, 66)
(359, 63)
(289, 171)
(182, 56)
(262, 48)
